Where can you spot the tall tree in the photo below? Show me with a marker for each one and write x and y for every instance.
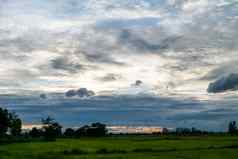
(52, 129)
(4, 121)
(232, 127)
(15, 125)
(9, 121)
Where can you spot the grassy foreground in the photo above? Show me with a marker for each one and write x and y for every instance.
(133, 147)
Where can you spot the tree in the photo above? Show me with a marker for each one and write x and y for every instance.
(51, 129)
(4, 121)
(16, 127)
(9, 121)
(69, 132)
(35, 133)
(232, 127)
(15, 124)
(82, 131)
(97, 129)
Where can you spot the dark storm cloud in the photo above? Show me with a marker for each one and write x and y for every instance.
(223, 84)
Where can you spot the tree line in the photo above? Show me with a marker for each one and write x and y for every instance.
(11, 125)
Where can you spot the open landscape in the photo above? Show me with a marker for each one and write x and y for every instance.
(118, 79)
(124, 147)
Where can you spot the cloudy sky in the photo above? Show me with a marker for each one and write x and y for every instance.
(153, 47)
(180, 45)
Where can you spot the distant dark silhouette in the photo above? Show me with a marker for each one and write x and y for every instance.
(95, 130)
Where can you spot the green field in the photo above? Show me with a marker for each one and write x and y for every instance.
(133, 147)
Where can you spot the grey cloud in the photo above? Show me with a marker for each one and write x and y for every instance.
(64, 64)
(98, 57)
(82, 92)
(137, 83)
(222, 70)
(133, 41)
(43, 96)
(71, 93)
(110, 77)
(95, 45)
(119, 110)
(20, 75)
(128, 23)
(223, 84)
(32, 40)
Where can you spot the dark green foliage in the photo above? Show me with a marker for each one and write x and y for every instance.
(15, 125)
(4, 121)
(82, 131)
(36, 133)
(9, 121)
(95, 130)
(51, 129)
(183, 131)
(69, 132)
(232, 128)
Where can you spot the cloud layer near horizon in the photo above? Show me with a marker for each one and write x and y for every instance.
(173, 45)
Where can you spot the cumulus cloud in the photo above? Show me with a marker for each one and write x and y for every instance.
(71, 93)
(223, 84)
(82, 92)
(137, 83)
(43, 96)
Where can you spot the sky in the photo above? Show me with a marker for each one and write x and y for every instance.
(172, 49)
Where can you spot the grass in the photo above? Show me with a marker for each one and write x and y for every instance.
(126, 147)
